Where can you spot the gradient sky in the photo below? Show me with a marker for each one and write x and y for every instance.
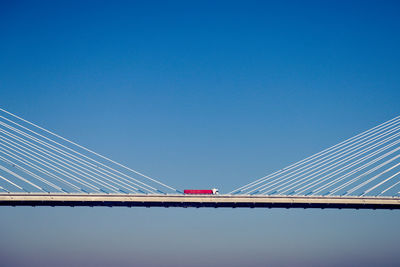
(199, 95)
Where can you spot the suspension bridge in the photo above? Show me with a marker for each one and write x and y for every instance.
(41, 168)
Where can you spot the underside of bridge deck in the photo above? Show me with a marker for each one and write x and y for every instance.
(219, 201)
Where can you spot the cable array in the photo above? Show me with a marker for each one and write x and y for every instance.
(33, 159)
(367, 164)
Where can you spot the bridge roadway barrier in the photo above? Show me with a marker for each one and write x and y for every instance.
(198, 201)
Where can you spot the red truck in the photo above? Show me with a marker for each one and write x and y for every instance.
(213, 191)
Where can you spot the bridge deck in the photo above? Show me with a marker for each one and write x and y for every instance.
(214, 201)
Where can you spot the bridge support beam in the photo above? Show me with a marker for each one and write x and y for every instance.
(214, 201)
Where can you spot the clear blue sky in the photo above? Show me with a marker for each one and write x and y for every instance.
(200, 94)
